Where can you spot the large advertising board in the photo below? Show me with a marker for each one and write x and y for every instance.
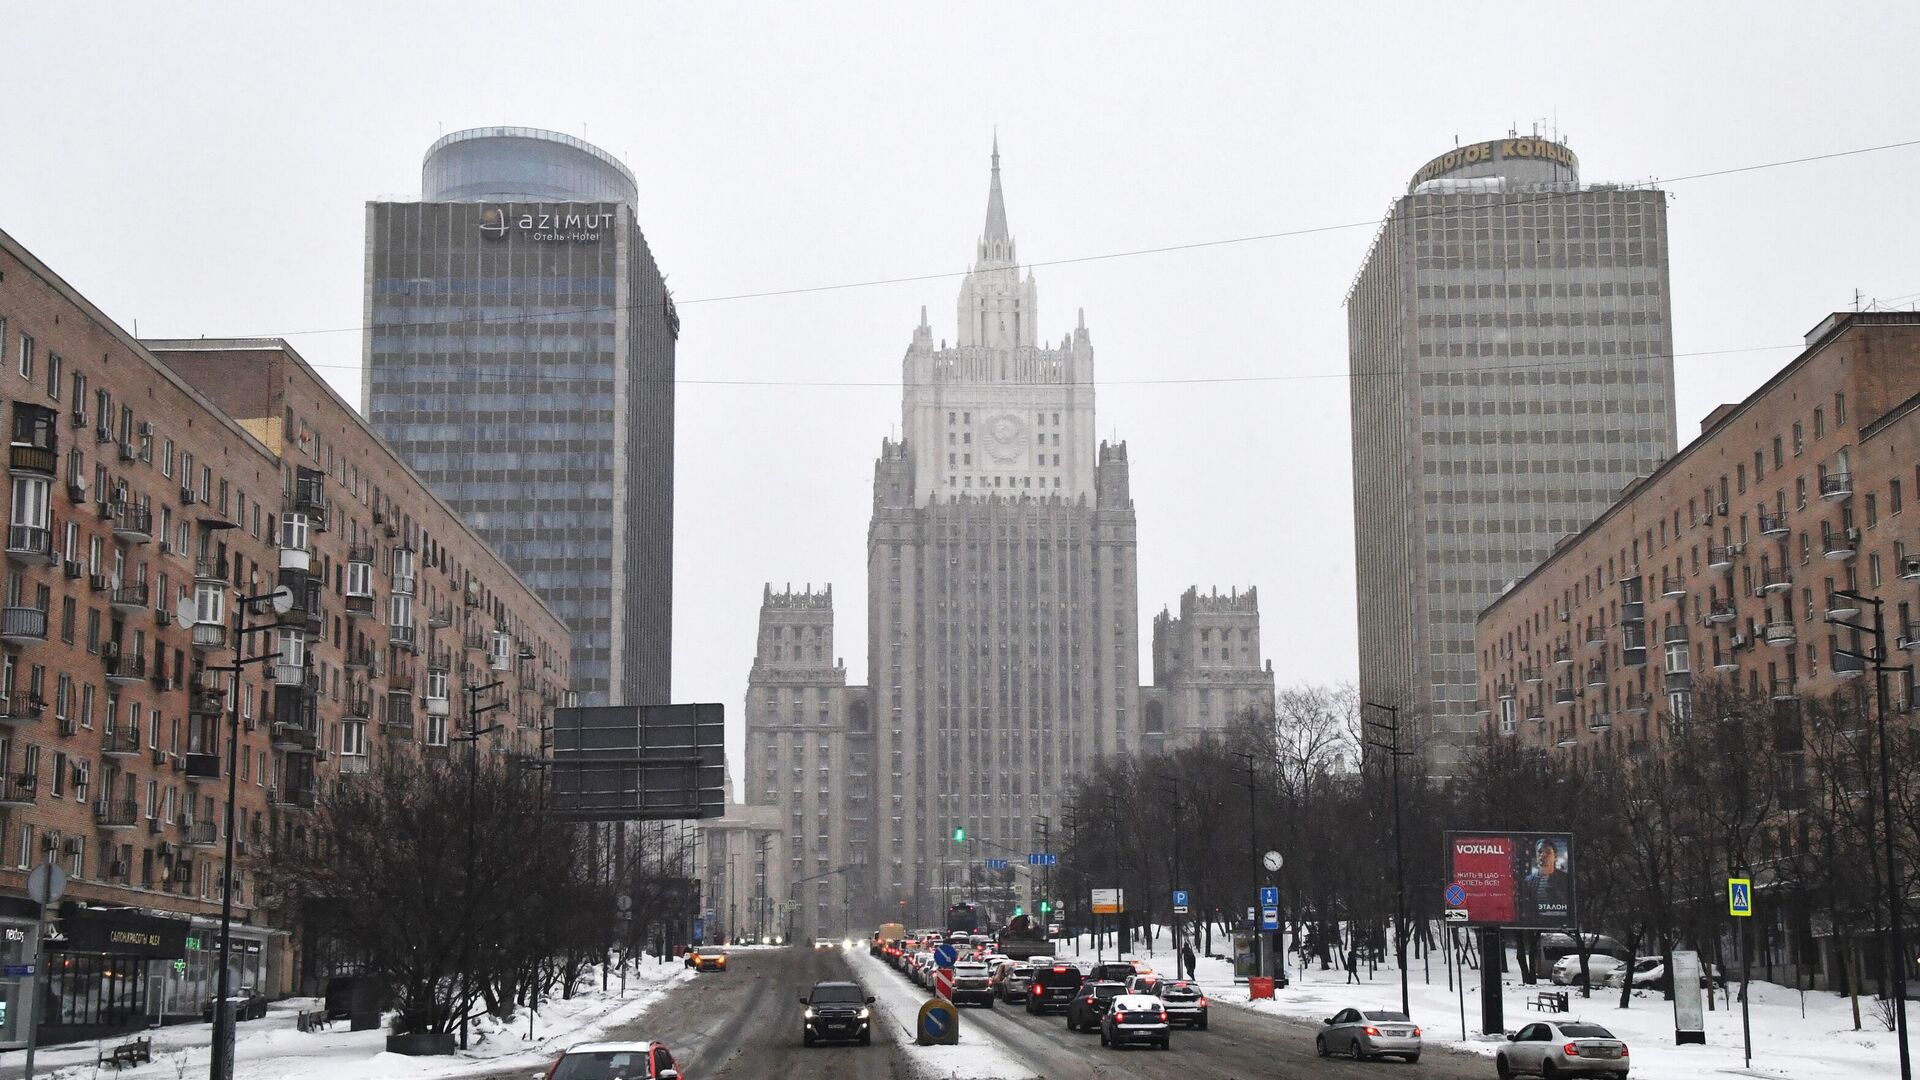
(639, 762)
(1517, 879)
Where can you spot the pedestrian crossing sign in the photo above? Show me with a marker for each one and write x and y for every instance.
(1740, 896)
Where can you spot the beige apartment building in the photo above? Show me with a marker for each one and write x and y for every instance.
(152, 485)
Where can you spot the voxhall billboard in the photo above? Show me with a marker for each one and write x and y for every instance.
(1517, 879)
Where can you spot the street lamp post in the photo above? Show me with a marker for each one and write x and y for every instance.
(472, 739)
(220, 1060)
(1391, 747)
(1877, 657)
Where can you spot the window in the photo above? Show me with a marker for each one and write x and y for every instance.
(26, 356)
(353, 739)
(1893, 497)
(1819, 423)
(1779, 458)
(54, 366)
(1840, 408)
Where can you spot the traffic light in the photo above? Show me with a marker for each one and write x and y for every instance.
(1045, 907)
(959, 835)
(1018, 911)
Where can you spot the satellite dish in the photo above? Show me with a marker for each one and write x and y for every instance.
(185, 613)
(281, 599)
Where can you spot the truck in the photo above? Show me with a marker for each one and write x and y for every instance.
(1020, 939)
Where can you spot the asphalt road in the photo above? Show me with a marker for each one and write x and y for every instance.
(744, 1025)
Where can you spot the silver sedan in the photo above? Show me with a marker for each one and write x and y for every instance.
(1368, 1034)
(1550, 1049)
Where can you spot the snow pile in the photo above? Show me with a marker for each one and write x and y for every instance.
(896, 1009)
(273, 1049)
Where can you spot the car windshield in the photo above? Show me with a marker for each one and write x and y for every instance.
(603, 1065)
(1585, 1031)
(1107, 990)
(1020, 973)
(1389, 1017)
(835, 995)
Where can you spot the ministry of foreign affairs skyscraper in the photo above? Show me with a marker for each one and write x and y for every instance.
(1003, 651)
(520, 356)
(1512, 371)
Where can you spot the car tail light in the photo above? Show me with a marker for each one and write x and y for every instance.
(1163, 1016)
(1060, 970)
(1371, 1030)
(1203, 1002)
(1119, 1018)
(1571, 1049)
(1089, 1001)
(1623, 1049)
(1416, 1033)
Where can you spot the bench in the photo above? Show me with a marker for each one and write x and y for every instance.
(1548, 1001)
(313, 1020)
(134, 1052)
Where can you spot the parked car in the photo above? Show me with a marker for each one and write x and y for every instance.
(1053, 987)
(248, 1004)
(1370, 1033)
(1566, 970)
(836, 1011)
(1088, 1006)
(597, 1061)
(1555, 1048)
(1136, 1018)
(1013, 982)
(1185, 1002)
(1650, 973)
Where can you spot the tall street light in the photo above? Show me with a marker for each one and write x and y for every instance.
(1391, 747)
(472, 738)
(1877, 658)
(280, 601)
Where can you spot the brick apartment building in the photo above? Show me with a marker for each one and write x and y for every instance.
(1725, 561)
(153, 484)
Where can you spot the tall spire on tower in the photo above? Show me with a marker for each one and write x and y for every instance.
(996, 203)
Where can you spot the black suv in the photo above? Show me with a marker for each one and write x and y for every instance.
(1052, 988)
(1090, 1004)
(837, 1011)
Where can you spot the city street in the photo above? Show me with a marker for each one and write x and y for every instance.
(744, 1025)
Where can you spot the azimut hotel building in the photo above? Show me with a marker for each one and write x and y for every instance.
(1512, 371)
(520, 357)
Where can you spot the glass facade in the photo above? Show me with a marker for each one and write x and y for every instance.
(520, 359)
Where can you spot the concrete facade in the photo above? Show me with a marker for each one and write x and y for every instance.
(520, 356)
(148, 475)
(1511, 358)
(1206, 666)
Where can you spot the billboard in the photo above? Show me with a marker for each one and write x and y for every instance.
(1517, 879)
(639, 762)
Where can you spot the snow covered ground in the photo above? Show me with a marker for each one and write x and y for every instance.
(273, 1048)
(1819, 1045)
(897, 1009)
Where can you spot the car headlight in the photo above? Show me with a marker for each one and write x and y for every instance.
(809, 1012)
(865, 1012)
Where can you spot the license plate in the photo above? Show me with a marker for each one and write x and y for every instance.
(1398, 1033)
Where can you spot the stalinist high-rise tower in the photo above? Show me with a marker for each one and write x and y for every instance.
(1003, 652)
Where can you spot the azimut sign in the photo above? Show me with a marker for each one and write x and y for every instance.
(564, 225)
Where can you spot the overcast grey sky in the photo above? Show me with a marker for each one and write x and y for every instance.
(202, 168)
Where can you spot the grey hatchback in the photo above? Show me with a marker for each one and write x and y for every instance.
(1369, 1034)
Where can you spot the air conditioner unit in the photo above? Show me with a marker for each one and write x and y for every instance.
(239, 846)
(73, 845)
(69, 726)
(79, 418)
(117, 870)
(1736, 549)
(155, 825)
(1910, 566)
(1720, 508)
(167, 849)
(1739, 640)
(166, 547)
(159, 756)
(186, 495)
(146, 428)
(75, 569)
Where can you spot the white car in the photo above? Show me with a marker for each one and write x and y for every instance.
(1135, 1018)
(1566, 970)
(1553, 1048)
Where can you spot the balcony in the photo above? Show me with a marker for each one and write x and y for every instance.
(201, 833)
(1675, 634)
(209, 636)
(358, 707)
(292, 735)
(355, 764)
(1909, 638)
(23, 625)
(1673, 586)
(1596, 674)
(309, 497)
(1910, 567)
(122, 741)
(1840, 544)
(1599, 721)
(22, 789)
(1638, 702)
(129, 597)
(1597, 634)
(1774, 525)
(440, 618)
(1836, 486)
(1784, 687)
(1841, 607)
(1775, 580)
(360, 553)
(360, 657)
(399, 721)
(30, 544)
(207, 701)
(401, 637)
(1508, 727)
(474, 640)
(21, 708)
(298, 559)
(294, 798)
(439, 660)
(1720, 556)
(1848, 667)
(212, 570)
(1780, 633)
(1681, 679)
(130, 522)
(1720, 612)
(1535, 713)
(1562, 656)
(1565, 695)
(359, 607)
(27, 458)
(1728, 661)
(435, 706)
(121, 668)
(116, 813)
